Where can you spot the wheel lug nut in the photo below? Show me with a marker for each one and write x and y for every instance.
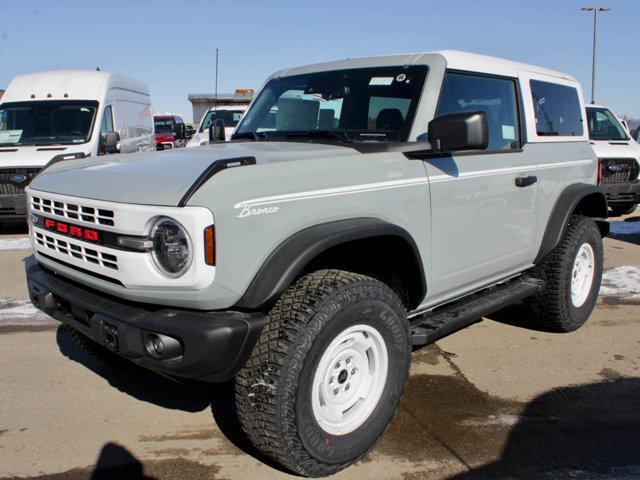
(335, 391)
(348, 360)
(331, 380)
(346, 387)
(337, 366)
(353, 371)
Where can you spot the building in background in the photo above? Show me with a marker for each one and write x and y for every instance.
(202, 102)
(1, 93)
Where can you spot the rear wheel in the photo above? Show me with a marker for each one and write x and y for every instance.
(327, 374)
(572, 273)
(624, 209)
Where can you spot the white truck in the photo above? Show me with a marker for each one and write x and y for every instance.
(59, 115)
(230, 115)
(618, 157)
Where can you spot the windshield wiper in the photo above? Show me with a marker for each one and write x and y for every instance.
(250, 135)
(326, 134)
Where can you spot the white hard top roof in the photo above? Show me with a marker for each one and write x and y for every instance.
(456, 60)
(76, 84)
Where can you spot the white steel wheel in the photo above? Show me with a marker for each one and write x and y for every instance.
(349, 379)
(582, 275)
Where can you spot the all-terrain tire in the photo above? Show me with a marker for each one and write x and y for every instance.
(553, 308)
(624, 209)
(275, 387)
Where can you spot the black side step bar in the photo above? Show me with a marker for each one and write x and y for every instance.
(436, 324)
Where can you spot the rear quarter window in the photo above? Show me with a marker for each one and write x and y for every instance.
(557, 110)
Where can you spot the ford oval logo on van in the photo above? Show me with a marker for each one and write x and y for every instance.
(18, 179)
(614, 168)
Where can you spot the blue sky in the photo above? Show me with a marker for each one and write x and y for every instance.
(171, 44)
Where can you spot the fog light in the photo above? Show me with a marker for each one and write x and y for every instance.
(158, 346)
(162, 346)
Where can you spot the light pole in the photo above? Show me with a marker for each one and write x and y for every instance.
(595, 11)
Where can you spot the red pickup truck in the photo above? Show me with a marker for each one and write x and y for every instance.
(170, 132)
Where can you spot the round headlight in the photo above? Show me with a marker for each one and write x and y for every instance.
(172, 252)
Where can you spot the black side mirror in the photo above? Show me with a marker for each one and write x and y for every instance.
(216, 132)
(634, 135)
(180, 132)
(111, 142)
(459, 131)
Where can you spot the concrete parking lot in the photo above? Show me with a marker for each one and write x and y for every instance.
(497, 400)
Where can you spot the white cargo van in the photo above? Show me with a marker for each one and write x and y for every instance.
(58, 115)
(619, 159)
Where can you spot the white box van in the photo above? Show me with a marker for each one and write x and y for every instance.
(619, 158)
(58, 115)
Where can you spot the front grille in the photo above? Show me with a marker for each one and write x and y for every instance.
(628, 170)
(9, 211)
(75, 250)
(7, 187)
(74, 211)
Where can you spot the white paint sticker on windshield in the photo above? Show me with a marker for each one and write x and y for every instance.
(508, 132)
(10, 136)
(381, 81)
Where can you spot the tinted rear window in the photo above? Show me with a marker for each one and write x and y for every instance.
(557, 110)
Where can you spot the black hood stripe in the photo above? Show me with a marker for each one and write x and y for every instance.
(211, 170)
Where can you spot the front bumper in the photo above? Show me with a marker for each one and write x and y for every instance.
(214, 345)
(13, 207)
(617, 193)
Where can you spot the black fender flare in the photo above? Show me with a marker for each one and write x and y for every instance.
(290, 257)
(565, 206)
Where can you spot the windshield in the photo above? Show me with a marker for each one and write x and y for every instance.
(163, 125)
(368, 104)
(46, 122)
(229, 117)
(603, 125)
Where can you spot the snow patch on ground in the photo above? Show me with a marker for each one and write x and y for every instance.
(15, 244)
(623, 280)
(503, 419)
(20, 312)
(625, 228)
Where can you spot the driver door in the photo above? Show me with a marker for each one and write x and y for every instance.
(483, 225)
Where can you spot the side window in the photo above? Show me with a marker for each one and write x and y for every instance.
(106, 126)
(494, 96)
(107, 121)
(557, 110)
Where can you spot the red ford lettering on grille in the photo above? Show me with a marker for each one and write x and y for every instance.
(71, 230)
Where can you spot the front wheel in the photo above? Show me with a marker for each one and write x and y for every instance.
(572, 273)
(326, 377)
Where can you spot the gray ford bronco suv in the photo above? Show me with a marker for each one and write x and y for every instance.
(363, 208)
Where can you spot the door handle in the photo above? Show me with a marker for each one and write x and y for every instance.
(526, 181)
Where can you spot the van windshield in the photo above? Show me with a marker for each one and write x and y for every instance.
(603, 125)
(229, 117)
(46, 122)
(364, 104)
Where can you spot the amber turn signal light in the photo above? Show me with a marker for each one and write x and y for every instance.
(210, 245)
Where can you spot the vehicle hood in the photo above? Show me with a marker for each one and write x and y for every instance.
(27, 156)
(616, 149)
(163, 178)
(200, 137)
